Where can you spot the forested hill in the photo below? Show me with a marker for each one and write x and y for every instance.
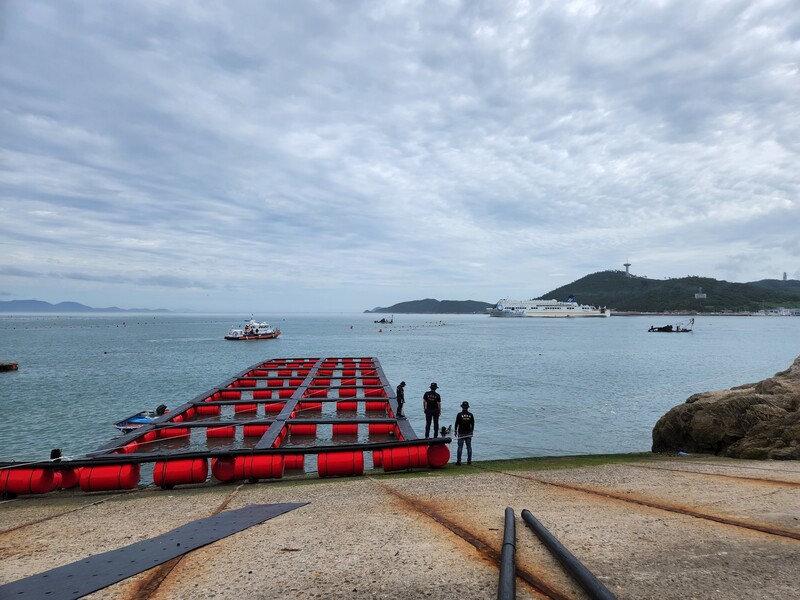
(617, 291)
(436, 307)
(614, 289)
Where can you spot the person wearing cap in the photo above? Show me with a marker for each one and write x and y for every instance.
(432, 404)
(401, 399)
(465, 425)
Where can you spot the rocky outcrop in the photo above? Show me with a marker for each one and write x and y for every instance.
(757, 420)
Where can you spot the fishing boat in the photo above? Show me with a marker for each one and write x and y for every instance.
(546, 308)
(682, 327)
(386, 321)
(141, 418)
(253, 330)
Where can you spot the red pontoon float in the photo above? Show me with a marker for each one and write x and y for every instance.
(270, 418)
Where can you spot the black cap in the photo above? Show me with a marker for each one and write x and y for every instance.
(402, 383)
(465, 404)
(434, 386)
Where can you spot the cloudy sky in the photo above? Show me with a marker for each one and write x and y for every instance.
(337, 156)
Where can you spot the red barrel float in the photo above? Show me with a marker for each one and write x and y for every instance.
(295, 462)
(438, 455)
(346, 406)
(309, 406)
(316, 393)
(245, 408)
(227, 469)
(375, 406)
(303, 428)
(109, 477)
(28, 481)
(170, 432)
(262, 394)
(70, 478)
(255, 430)
(169, 473)
(338, 464)
(286, 393)
(274, 407)
(407, 457)
(262, 467)
(231, 395)
(128, 448)
(208, 409)
(377, 428)
(345, 429)
(377, 458)
(347, 392)
(148, 437)
(220, 432)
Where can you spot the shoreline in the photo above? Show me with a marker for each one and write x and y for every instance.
(643, 523)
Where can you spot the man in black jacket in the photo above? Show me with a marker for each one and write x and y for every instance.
(432, 404)
(465, 425)
(401, 399)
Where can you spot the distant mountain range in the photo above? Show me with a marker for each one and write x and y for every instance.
(620, 292)
(37, 306)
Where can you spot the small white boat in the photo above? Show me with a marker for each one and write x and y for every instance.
(253, 330)
(144, 417)
(546, 308)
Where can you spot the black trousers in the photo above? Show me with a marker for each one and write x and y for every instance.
(435, 418)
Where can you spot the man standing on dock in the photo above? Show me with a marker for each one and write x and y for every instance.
(401, 399)
(432, 404)
(465, 425)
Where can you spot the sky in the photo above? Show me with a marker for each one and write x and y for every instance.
(313, 156)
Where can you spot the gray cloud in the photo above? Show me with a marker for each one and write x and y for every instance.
(479, 149)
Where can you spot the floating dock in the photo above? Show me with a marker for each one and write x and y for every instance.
(272, 418)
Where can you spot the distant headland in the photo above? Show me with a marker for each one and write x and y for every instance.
(626, 293)
(37, 306)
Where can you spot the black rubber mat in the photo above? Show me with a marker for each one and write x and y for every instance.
(96, 572)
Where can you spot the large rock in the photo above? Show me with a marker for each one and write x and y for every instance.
(757, 420)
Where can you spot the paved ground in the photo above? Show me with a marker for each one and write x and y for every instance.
(647, 527)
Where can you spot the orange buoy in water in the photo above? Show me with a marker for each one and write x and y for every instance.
(338, 464)
(169, 473)
(28, 481)
(109, 477)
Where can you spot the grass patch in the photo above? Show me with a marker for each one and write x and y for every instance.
(544, 463)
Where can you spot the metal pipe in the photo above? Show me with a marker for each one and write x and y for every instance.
(507, 589)
(590, 584)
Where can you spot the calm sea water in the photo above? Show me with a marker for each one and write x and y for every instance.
(536, 386)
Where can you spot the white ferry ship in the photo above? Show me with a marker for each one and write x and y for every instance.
(546, 308)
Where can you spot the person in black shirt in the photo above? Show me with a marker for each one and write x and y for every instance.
(401, 399)
(465, 425)
(432, 404)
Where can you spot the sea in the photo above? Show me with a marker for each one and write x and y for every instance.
(537, 387)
